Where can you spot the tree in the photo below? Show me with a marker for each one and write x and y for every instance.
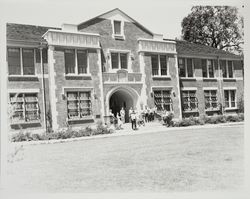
(216, 26)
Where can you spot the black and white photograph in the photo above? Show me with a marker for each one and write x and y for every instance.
(123, 97)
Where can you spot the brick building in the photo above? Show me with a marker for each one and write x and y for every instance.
(75, 74)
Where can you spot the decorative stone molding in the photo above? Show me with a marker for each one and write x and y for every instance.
(72, 39)
(157, 46)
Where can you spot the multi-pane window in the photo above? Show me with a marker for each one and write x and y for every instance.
(119, 60)
(230, 98)
(159, 65)
(117, 27)
(24, 107)
(211, 100)
(21, 61)
(78, 105)
(162, 100)
(208, 68)
(186, 68)
(189, 101)
(76, 61)
(227, 68)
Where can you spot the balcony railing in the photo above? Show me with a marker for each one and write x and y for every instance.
(157, 46)
(122, 77)
(72, 39)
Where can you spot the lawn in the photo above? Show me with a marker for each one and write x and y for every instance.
(187, 160)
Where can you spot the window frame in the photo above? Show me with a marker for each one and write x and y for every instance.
(121, 35)
(186, 67)
(76, 73)
(227, 69)
(119, 60)
(189, 101)
(162, 99)
(78, 101)
(207, 69)
(21, 61)
(230, 100)
(210, 100)
(160, 65)
(21, 98)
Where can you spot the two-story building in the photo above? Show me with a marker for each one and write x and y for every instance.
(75, 74)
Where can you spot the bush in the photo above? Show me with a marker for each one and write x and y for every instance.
(168, 120)
(62, 134)
(241, 116)
(21, 136)
(232, 118)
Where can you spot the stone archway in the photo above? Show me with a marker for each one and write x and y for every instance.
(121, 97)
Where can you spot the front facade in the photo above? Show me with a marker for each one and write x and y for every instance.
(74, 75)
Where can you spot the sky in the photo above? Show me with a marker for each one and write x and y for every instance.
(159, 16)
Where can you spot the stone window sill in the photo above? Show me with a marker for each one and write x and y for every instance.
(209, 79)
(161, 77)
(191, 111)
(229, 79)
(78, 77)
(231, 109)
(23, 78)
(188, 78)
(23, 122)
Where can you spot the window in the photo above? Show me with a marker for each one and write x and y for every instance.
(189, 101)
(24, 107)
(229, 97)
(211, 101)
(162, 100)
(186, 68)
(119, 60)
(227, 68)
(21, 61)
(76, 61)
(117, 27)
(208, 68)
(159, 65)
(78, 105)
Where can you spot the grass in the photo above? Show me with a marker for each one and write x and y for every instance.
(188, 160)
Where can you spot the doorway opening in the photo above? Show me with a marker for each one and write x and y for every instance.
(121, 99)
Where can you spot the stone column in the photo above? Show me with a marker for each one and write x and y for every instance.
(52, 87)
(143, 98)
(178, 86)
(101, 83)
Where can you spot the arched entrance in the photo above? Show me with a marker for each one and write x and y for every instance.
(122, 97)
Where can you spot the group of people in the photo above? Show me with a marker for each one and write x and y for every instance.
(119, 118)
(137, 118)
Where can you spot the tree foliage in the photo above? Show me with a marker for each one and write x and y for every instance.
(216, 26)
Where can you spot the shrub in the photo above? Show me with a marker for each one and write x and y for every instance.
(186, 122)
(168, 120)
(232, 118)
(21, 136)
(241, 116)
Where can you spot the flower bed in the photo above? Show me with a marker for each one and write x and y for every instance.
(63, 134)
(206, 120)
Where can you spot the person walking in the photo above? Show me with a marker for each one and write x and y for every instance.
(133, 120)
(129, 113)
(146, 114)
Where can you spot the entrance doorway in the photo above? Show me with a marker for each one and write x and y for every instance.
(121, 99)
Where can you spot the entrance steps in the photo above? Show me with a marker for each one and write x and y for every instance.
(149, 127)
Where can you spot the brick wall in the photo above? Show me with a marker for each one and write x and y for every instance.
(199, 83)
(62, 82)
(164, 82)
(23, 83)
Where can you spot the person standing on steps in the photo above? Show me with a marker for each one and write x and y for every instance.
(122, 114)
